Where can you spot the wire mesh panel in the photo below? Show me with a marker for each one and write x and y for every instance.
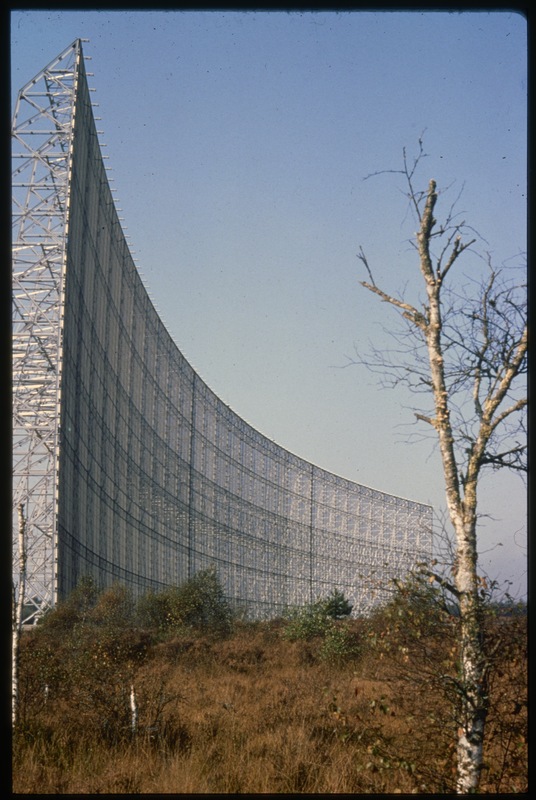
(154, 477)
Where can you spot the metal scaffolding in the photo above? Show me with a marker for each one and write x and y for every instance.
(129, 467)
(42, 139)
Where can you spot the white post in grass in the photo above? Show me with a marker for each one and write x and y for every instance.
(134, 710)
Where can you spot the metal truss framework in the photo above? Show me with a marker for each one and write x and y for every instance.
(42, 139)
(129, 467)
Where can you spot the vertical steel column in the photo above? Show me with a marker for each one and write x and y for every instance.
(191, 480)
(311, 535)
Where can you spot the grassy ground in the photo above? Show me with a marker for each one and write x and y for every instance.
(249, 711)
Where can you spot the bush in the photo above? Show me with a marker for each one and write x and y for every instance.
(198, 603)
(79, 663)
(322, 620)
(335, 605)
(75, 608)
(417, 604)
(114, 608)
(315, 619)
(306, 623)
(339, 644)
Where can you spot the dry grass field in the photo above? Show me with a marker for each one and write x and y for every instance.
(246, 708)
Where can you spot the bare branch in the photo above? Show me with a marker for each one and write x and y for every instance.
(362, 257)
(521, 403)
(457, 250)
(424, 418)
(408, 311)
(443, 582)
(499, 460)
(423, 235)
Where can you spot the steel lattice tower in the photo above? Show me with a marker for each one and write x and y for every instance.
(42, 147)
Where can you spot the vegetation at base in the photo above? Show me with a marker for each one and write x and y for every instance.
(198, 603)
(320, 620)
(314, 702)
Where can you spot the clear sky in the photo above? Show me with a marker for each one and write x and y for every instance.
(239, 143)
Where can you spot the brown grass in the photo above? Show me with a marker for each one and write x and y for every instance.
(253, 713)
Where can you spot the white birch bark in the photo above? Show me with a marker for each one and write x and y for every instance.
(18, 604)
(463, 517)
(133, 710)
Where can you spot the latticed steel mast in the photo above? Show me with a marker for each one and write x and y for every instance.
(42, 149)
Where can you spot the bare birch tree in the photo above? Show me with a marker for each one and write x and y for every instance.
(17, 612)
(464, 347)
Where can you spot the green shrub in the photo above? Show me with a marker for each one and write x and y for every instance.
(306, 623)
(322, 620)
(198, 603)
(339, 644)
(315, 619)
(335, 605)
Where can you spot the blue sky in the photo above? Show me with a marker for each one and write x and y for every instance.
(239, 143)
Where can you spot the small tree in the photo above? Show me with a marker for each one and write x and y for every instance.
(465, 348)
(336, 605)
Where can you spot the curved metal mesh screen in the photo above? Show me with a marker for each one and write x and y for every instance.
(157, 478)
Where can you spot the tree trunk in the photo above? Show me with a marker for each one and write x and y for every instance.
(18, 605)
(462, 510)
(474, 696)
